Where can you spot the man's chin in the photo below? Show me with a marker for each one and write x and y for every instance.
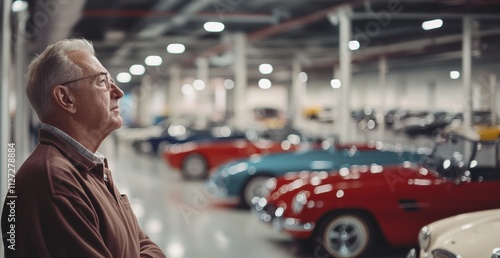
(117, 122)
(120, 122)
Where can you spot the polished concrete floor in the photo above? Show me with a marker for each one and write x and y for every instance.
(187, 222)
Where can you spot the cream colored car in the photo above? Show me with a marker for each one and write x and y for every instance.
(468, 235)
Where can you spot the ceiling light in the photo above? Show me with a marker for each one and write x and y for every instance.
(137, 69)
(176, 48)
(335, 83)
(124, 77)
(353, 45)
(153, 60)
(19, 6)
(187, 89)
(454, 75)
(229, 84)
(432, 24)
(265, 68)
(198, 84)
(265, 84)
(213, 26)
(303, 77)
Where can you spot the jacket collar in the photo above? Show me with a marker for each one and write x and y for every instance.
(70, 151)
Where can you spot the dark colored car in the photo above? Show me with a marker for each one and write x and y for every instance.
(397, 116)
(181, 134)
(431, 124)
(365, 118)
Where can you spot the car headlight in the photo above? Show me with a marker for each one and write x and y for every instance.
(496, 253)
(271, 184)
(424, 238)
(298, 202)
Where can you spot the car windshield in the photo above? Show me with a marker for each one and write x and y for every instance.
(452, 156)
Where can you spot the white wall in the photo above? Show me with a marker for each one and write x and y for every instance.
(276, 97)
(405, 89)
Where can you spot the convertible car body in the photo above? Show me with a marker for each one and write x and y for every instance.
(467, 235)
(344, 212)
(244, 179)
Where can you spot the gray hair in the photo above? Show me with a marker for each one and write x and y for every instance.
(50, 68)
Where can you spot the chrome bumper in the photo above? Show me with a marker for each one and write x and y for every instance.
(266, 214)
(412, 253)
(213, 188)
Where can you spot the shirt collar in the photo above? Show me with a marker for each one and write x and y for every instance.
(96, 157)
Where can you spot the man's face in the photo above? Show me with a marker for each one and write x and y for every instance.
(96, 106)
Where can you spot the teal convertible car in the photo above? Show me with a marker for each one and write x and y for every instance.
(243, 180)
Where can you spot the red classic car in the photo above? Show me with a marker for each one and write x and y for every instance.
(343, 213)
(196, 159)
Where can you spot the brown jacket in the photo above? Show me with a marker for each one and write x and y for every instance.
(61, 206)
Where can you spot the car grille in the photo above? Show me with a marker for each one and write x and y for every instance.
(440, 253)
(270, 209)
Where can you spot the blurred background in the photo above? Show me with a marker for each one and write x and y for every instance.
(392, 71)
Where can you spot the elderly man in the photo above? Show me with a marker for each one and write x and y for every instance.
(65, 202)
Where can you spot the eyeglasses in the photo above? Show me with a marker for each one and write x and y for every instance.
(106, 81)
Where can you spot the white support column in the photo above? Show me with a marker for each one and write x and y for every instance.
(241, 80)
(4, 95)
(174, 94)
(23, 109)
(345, 74)
(467, 70)
(337, 106)
(204, 101)
(298, 94)
(382, 71)
(493, 98)
(220, 97)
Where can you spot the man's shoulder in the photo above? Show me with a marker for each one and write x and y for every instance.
(45, 159)
(45, 167)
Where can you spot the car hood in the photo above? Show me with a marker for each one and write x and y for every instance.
(459, 233)
(375, 178)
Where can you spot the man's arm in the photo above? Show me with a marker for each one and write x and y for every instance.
(63, 227)
(148, 248)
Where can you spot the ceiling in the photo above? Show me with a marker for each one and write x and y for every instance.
(124, 32)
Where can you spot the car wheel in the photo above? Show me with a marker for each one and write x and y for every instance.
(343, 236)
(255, 187)
(194, 167)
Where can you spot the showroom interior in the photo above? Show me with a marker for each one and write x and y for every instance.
(369, 73)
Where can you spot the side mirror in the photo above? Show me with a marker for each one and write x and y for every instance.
(496, 253)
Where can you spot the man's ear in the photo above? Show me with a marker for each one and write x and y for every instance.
(64, 98)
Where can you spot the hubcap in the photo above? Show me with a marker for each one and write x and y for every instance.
(255, 188)
(346, 237)
(195, 166)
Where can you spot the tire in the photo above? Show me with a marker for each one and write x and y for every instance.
(194, 167)
(344, 235)
(254, 187)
